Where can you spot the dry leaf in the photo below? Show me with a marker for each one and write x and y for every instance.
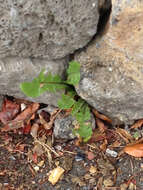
(55, 175)
(27, 129)
(9, 110)
(20, 147)
(101, 116)
(28, 112)
(101, 126)
(49, 124)
(115, 144)
(44, 123)
(135, 150)
(97, 136)
(137, 124)
(124, 135)
(23, 117)
(103, 146)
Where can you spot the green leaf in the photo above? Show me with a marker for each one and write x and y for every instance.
(86, 111)
(77, 106)
(42, 83)
(41, 76)
(73, 73)
(65, 102)
(31, 88)
(52, 83)
(71, 92)
(85, 131)
(83, 114)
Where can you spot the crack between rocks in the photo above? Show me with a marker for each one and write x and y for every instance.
(105, 9)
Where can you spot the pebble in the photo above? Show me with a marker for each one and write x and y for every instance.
(58, 147)
(112, 153)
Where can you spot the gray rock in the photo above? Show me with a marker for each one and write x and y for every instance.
(46, 28)
(63, 128)
(92, 121)
(14, 71)
(1, 101)
(112, 66)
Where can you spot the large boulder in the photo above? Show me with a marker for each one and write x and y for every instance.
(41, 34)
(14, 71)
(112, 65)
(46, 28)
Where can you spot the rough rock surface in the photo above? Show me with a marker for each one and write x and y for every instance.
(46, 28)
(1, 100)
(63, 127)
(112, 66)
(14, 70)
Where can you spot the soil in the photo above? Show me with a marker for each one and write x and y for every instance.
(27, 163)
(17, 170)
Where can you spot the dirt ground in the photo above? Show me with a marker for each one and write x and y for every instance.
(100, 164)
(18, 172)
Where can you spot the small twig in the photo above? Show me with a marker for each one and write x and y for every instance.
(46, 146)
(131, 163)
(110, 188)
(32, 171)
(52, 119)
(69, 152)
(94, 147)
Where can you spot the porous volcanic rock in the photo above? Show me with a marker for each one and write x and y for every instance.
(112, 65)
(14, 71)
(46, 28)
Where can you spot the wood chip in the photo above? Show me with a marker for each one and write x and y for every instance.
(55, 175)
(101, 116)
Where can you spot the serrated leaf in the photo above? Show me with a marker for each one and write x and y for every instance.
(77, 106)
(85, 131)
(41, 76)
(86, 112)
(31, 88)
(73, 73)
(53, 83)
(71, 92)
(83, 114)
(65, 102)
(41, 84)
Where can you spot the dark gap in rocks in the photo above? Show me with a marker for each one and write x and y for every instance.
(8, 97)
(71, 57)
(42, 105)
(40, 36)
(105, 9)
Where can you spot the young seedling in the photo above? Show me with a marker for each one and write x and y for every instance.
(52, 83)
